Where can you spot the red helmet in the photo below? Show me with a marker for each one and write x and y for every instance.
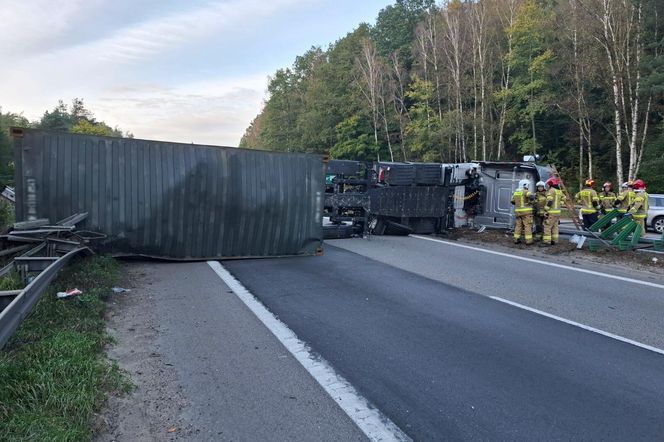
(590, 182)
(639, 185)
(553, 181)
(607, 184)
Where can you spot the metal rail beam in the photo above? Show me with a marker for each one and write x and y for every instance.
(12, 316)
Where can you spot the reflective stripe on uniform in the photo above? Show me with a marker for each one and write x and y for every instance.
(587, 198)
(519, 199)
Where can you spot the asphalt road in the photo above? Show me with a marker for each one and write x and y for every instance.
(446, 363)
(616, 306)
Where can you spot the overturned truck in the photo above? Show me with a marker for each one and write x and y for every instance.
(389, 198)
(423, 198)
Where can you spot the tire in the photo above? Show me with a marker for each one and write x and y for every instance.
(658, 224)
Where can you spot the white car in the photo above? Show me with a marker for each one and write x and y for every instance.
(656, 212)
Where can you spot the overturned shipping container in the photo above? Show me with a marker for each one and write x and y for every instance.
(173, 200)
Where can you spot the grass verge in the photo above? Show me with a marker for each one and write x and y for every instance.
(53, 373)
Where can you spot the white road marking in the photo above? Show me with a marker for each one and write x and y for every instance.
(375, 425)
(537, 261)
(577, 324)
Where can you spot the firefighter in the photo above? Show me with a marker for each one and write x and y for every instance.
(625, 199)
(639, 208)
(607, 198)
(555, 199)
(539, 204)
(589, 201)
(522, 200)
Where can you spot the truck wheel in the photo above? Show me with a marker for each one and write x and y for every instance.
(658, 224)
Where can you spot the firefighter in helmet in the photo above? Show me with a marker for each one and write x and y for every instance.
(607, 197)
(555, 200)
(639, 208)
(522, 200)
(625, 198)
(538, 209)
(589, 201)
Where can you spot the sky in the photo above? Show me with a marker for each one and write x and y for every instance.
(188, 71)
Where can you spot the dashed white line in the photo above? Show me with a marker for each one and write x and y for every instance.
(537, 261)
(577, 324)
(375, 425)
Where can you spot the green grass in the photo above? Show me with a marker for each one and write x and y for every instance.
(53, 373)
(7, 215)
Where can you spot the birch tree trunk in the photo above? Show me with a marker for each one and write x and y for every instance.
(480, 56)
(622, 41)
(368, 65)
(398, 99)
(453, 48)
(507, 15)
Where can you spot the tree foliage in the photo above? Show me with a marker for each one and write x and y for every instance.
(579, 82)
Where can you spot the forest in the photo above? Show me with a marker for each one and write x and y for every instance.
(578, 82)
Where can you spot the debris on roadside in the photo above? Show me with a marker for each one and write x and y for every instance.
(69, 294)
(579, 240)
(120, 290)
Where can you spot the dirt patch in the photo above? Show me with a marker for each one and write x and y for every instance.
(563, 252)
(152, 411)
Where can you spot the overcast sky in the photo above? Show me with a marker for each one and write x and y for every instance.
(189, 71)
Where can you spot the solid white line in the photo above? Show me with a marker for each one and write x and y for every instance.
(546, 263)
(576, 324)
(371, 421)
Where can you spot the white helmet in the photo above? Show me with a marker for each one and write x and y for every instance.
(540, 183)
(624, 185)
(524, 183)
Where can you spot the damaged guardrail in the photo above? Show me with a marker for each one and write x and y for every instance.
(47, 249)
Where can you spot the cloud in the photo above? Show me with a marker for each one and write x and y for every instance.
(137, 41)
(210, 112)
(28, 26)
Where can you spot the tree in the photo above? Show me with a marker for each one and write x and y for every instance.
(425, 134)
(77, 119)
(620, 34)
(454, 48)
(481, 71)
(371, 81)
(529, 60)
(354, 141)
(84, 126)
(58, 119)
(395, 26)
(506, 11)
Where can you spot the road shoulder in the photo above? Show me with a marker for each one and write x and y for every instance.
(206, 369)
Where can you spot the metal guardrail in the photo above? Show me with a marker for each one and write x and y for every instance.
(45, 249)
(24, 300)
